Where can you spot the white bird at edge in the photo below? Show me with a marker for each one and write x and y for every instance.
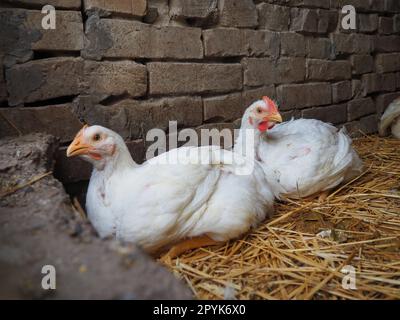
(391, 118)
(304, 156)
(157, 204)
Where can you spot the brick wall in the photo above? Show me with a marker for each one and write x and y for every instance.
(132, 65)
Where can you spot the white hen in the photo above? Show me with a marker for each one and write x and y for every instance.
(164, 200)
(305, 156)
(391, 118)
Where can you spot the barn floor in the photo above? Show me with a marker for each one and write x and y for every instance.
(300, 253)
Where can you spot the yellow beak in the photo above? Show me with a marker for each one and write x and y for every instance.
(77, 147)
(275, 117)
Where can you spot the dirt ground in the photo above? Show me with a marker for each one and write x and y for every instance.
(39, 226)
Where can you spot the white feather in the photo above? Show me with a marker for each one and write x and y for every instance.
(391, 117)
(305, 156)
(159, 203)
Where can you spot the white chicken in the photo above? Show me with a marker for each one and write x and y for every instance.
(171, 197)
(391, 117)
(304, 156)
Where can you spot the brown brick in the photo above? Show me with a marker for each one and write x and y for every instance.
(68, 35)
(304, 20)
(113, 116)
(232, 106)
(131, 39)
(352, 43)
(387, 43)
(376, 5)
(341, 91)
(386, 25)
(259, 71)
(238, 13)
(57, 120)
(369, 124)
(387, 62)
(62, 4)
(328, 70)
(292, 44)
(299, 96)
(383, 100)
(353, 129)
(398, 80)
(334, 114)
(194, 77)
(325, 4)
(137, 150)
(356, 88)
(262, 71)
(318, 48)
(360, 5)
(360, 107)
(367, 22)
(3, 88)
(132, 119)
(327, 21)
(237, 123)
(392, 6)
(219, 126)
(192, 9)
(289, 70)
(251, 95)
(375, 82)
(396, 26)
(273, 17)
(187, 111)
(158, 14)
(225, 108)
(313, 21)
(388, 82)
(44, 79)
(115, 78)
(289, 115)
(221, 42)
(362, 64)
(127, 7)
(224, 42)
(262, 43)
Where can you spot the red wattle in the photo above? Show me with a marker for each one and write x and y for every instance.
(263, 126)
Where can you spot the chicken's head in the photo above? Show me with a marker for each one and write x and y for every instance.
(95, 144)
(262, 114)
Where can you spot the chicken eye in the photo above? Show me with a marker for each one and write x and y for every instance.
(96, 137)
(259, 110)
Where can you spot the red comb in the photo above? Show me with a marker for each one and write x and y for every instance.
(271, 104)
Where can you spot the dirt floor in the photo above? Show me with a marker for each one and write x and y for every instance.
(300, 253)
(39, 226)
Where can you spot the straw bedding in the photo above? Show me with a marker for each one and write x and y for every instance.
(300, 253)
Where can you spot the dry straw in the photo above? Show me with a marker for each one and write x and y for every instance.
(299, 254)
